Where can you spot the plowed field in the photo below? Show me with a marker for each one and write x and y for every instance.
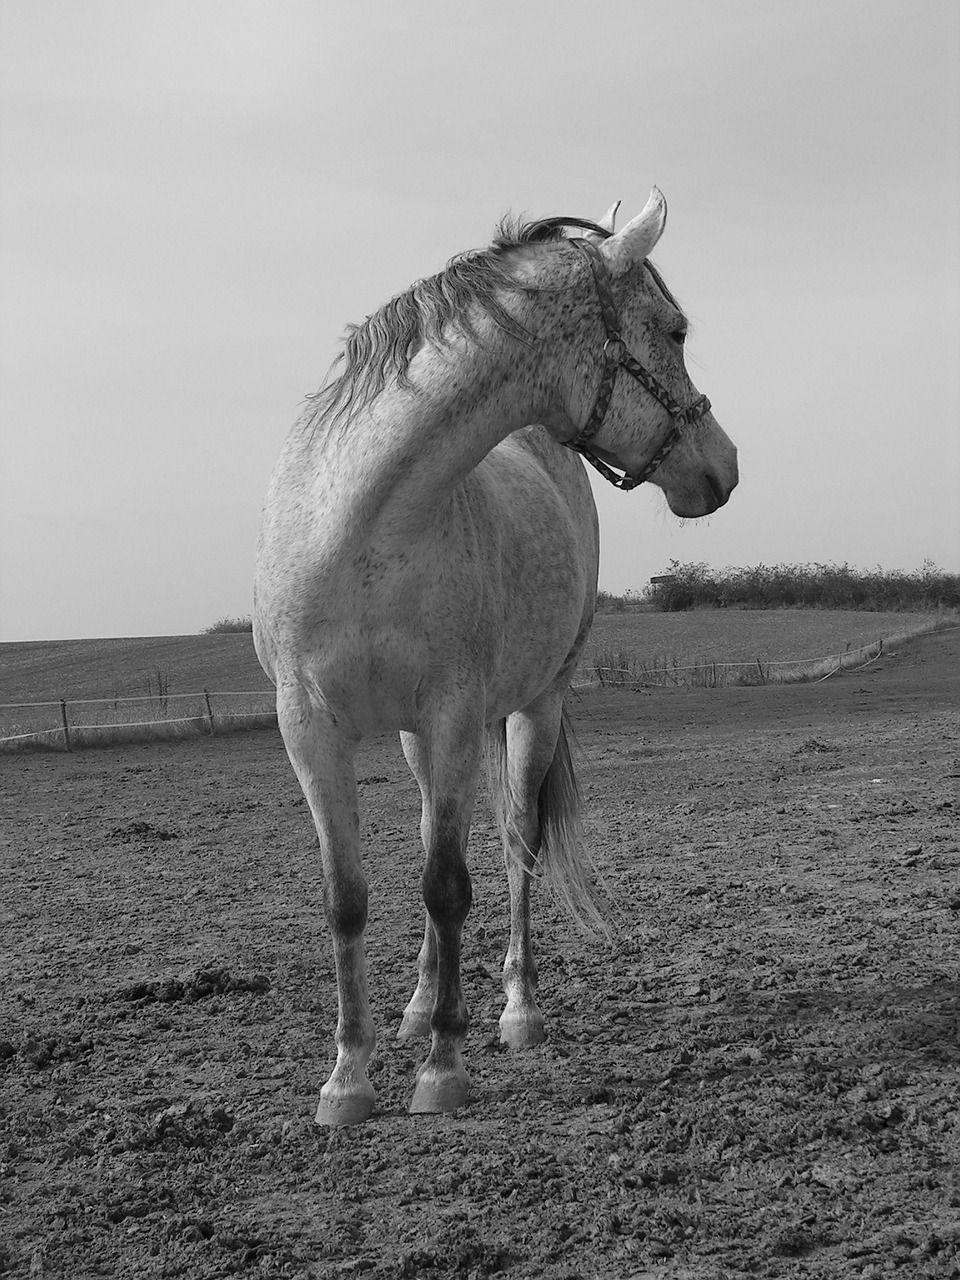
(758, 1077)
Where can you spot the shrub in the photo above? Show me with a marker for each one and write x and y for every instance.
(225, 625)
(803, 586)
(629, 602)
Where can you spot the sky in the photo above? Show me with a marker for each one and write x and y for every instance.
(196, 196)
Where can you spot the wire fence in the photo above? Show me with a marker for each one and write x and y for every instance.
(708, 673)
(622, 669)
(65, 732)
(609, 669)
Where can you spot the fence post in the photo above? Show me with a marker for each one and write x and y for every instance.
(66, 726)
(206, 698)
(763, 678)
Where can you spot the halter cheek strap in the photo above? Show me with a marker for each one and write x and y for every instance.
(617, 357)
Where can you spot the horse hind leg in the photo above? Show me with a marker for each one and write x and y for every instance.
(446, 762)
(416, 1017)
(322, 756)
(539, 824)
(524, 748)
(415, 1023)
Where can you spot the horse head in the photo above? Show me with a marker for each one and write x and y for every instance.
(653, 425)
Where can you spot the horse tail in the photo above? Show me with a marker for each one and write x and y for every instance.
(562, 859)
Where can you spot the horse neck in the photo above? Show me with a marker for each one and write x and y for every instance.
(408, 450)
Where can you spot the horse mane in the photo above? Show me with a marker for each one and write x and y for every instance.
(382, 346)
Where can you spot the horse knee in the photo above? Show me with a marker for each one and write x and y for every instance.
(345, 906)
(447, 891)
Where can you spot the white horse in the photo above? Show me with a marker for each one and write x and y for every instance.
(428, 563)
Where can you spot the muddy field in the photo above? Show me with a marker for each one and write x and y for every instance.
(758, 1077)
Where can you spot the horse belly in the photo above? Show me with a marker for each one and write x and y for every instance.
(548, 566)
(530, 660)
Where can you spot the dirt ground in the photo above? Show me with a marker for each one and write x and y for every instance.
(759, 1077)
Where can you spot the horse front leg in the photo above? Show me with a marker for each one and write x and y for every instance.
(322, 755)
(447, 768)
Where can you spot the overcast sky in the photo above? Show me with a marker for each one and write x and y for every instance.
(197, 197)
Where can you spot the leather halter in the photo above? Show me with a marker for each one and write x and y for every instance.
(616, 357)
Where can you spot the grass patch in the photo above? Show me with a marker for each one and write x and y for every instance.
(623, 668)
(42, 670)
(705, 636)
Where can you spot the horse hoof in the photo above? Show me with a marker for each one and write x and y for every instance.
(440, 1091)
(522, 1030)
(414, 1026)
(338, 1109)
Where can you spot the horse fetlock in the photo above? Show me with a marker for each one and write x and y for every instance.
(449, 1021)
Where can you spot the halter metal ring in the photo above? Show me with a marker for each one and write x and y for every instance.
(614, 348)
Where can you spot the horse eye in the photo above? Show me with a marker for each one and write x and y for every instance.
(679, 336)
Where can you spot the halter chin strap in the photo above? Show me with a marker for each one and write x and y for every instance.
(616, 357)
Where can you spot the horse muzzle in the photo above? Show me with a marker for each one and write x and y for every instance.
(708, 494)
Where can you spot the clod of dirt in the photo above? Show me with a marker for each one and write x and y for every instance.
(813, 746)
(141, 831)
(198, 986)
(46, 1051)
(185, 1124)
(795, 1242)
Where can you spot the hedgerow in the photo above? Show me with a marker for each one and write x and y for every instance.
(802, 586)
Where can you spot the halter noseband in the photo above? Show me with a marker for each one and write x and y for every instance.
(616, 357)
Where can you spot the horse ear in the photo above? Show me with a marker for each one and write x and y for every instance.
(606, 222)
(636, 240)
(609, 219)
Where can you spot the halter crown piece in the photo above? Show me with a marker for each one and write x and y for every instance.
(616, 357)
